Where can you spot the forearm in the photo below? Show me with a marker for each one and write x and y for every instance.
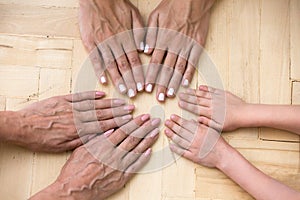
(52, 192)
(284, 117)
(256, 183)
(9, 123)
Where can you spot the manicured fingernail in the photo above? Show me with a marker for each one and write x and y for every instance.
(185, 82)
(99, 94)
(171, 92)
(145, 117)
(129, 107)
(168, 122)
(142, 46)
(154, 133)
(119, 102)
(131, 93)
(148, 152)
(174, 117)
(103, 79)
(149, 88)
(122, 88)
(108, 133)
(155, 122)
(127, 117)
(147, 47)
(139, 87)
(161, 97)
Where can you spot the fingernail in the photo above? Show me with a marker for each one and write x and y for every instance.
(108, 133)
(154, 133)
(168, 122)
(122, 88)
(131, 93)
(99, 94)
(173, 117)
(171, 92)
(148, 152)
(146, 50)
(129, 107)
(185, 82)
(145, 117)
(155, 122)
(139, 87)
(127, 117)
(149, 88)
(119, 102)
(103, 79)
(142, 46)
(168, 133)
(161, 97)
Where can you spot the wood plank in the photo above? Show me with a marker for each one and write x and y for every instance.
(42, 3)
(294, 38)
(275, 87)
(39, 21)
(2, 103)
(296, 93)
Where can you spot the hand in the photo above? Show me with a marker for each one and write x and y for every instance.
(99, 20)
(182, 28)
(196, 142)
(106, 163)
(65, 122)
(216, 108)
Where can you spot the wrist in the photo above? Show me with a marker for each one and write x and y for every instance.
(227, 155)
(9, 126)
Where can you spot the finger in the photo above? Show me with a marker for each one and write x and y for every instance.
(180, 151)
(97, 104)
(98, 127)
(181, 131)
(73, 144)
(199, 93)
(120, 134)
(135, 137)
(195, 100)
(103, 114)
(210, 123)
(177, 76)
(137, 70)
(165, 76)
(211, 90)
(196, 109)
(177, 139)
(138, 30)
(98, 65)
(113, 71)
(82, 96)
(154, 68)
(151, 35)
(186, 124)
(146, 143)
(191, 66)
(138, 164)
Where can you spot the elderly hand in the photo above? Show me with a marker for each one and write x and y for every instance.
(106, 163)
(176, 29)
(63, 123)
(112, 31)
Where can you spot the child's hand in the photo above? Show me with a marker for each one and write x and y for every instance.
(196, 142)
(216, 108)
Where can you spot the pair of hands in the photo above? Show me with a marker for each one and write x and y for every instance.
(176, 29)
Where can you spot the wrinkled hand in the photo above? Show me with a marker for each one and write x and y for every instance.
(99, 20)
(215, 108)
(63, 123)
(106, 163)
(196, 142)
(176, 29)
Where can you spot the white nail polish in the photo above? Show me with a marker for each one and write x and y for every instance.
(122, 88)
(139, 87)
(146, 50)
(103, 79)
(171, 92)
(142, 46)
(130, 93)
(186, 82)
(161, 97)
(149, 88)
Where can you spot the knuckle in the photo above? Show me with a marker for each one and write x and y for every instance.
(123, 65)
(104, 126)
(134, 61)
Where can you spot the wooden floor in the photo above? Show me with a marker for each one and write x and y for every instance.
(255, 45)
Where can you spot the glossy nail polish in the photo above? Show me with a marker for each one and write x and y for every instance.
(171, 92)
(161, 97)
(139, 87)
(149, 88)
(131, 93)
(122, 88)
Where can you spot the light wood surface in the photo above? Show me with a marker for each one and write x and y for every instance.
(254, 44)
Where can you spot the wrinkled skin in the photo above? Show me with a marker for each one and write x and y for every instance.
(175, 54)
(99, 20)
(214, 107)
(56, 124)
(106, 163)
